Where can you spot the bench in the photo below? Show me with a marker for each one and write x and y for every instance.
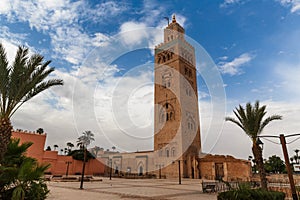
(208, 188)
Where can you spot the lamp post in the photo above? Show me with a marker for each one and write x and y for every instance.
(159, 172)
(110, 169)
(260, 144)
(68, 163)
(179, 173)
(297, 157)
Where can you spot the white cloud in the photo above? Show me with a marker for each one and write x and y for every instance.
(233, 67)
(293, 4)
(223, 58)
(85, 102)
(137, 33)
(62, 21)
(5, 6)
(233, 141)
(287, 75)
(229, 2)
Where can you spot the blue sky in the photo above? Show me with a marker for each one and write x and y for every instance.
(254, 44)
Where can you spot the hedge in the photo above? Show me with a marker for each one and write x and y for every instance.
(250, 194)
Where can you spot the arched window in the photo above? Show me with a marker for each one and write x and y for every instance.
(166, 113)
(191, 123)
(167, 153)
(173, 152)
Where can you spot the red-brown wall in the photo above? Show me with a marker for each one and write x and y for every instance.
(58, 162)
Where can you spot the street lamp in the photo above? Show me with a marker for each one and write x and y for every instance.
(110, 160)
(179, 172)
(260, 143)
(297, 157)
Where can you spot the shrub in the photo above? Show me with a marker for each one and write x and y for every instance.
(250, 194)
(21, 176)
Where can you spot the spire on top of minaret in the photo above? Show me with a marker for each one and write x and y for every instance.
(173, 19)
(173, 31)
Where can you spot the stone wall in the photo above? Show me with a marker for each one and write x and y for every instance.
(229, 168)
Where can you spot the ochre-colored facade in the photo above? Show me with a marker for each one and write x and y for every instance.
(228, 168)
(176, 127)
(59, 163)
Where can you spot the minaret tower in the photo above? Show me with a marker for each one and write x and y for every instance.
(177, 125)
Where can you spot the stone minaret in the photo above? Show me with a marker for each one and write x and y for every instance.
(177, 126)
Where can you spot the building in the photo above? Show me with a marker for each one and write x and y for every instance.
(177, 145)
(60, 164)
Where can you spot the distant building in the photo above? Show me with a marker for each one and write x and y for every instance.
(59, 163)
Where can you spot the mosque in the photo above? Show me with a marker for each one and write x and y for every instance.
(177, 145)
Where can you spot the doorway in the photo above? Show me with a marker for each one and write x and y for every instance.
(219, 171)
(140, 171)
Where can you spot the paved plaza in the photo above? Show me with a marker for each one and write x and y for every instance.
(125, 189)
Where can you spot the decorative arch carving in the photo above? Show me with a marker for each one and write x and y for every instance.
(165, 56)
(167, 113)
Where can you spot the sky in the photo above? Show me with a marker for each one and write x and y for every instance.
(103, 50)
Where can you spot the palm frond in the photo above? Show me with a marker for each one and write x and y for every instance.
(235, 121)
(4, 77)
(251, 119)
(268, 120)
(24, 79)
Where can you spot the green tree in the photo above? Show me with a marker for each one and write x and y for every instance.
(251, 121)
(40, 130)
(78, 154)
(274, 165)
(55, 147)
(95, 150)
(83, 142)
(70, 145)
(21, 176)
(19, 82)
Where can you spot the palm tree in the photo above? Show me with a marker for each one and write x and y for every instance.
(70, 145)
(66, 151)
(40, 130)
(96, 149)
(83, 141)
(113, 148)
(55, 146)
(250, 120)
(19, 82)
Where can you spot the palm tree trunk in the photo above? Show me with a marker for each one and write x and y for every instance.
(5, 134)
(257, 152)
(83, 168)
